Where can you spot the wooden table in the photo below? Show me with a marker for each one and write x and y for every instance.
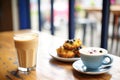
(47, 67)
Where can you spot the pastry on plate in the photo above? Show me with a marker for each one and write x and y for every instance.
(72, 44)
(70, 49)
(62, 52)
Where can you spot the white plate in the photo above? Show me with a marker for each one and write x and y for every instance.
(78, 66)
(55, 56)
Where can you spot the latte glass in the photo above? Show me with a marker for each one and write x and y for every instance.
(26, 45)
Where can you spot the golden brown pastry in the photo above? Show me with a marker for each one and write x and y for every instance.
(70, 49)
(65, 53)
(72, 44)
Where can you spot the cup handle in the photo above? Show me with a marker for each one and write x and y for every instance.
(107, 62)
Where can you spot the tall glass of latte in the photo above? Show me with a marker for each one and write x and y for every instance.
(26, 46)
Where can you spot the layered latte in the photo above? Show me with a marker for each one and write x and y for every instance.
(26, 46)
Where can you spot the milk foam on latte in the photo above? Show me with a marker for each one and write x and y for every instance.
(26, 46)
(93, 51)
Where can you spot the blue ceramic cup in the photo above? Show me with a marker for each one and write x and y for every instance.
(94, 57)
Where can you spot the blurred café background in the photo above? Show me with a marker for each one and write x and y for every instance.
(87, 23)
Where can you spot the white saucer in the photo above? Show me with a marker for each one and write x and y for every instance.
(55, 56)
(78, 66)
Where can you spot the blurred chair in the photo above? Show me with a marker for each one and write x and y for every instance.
(115, 38)
(85, 22)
